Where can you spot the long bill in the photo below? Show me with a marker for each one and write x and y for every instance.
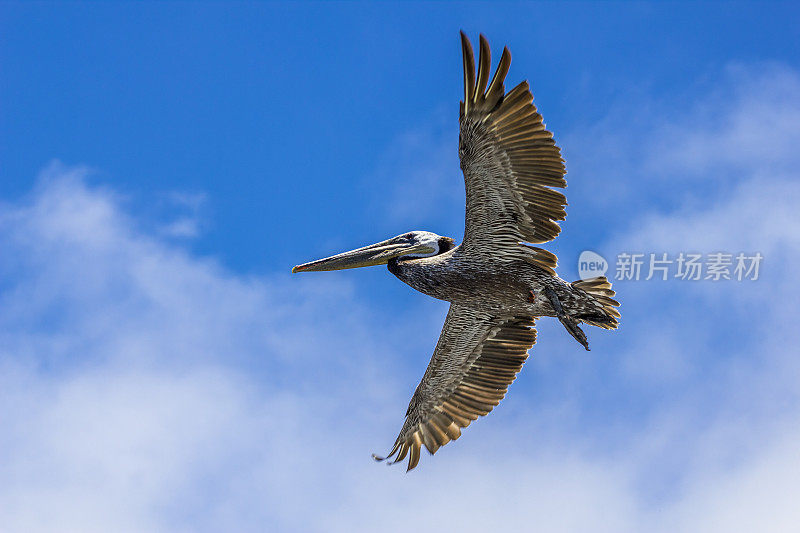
(375, 254)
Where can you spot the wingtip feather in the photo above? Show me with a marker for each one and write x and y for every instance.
(484, 68)
(469, 71)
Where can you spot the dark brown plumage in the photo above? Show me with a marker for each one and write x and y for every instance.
(496, 283)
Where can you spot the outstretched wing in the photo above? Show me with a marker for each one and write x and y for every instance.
(510, 161)
(476, 359)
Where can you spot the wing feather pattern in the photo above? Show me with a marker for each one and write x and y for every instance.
(476, 359)
(510, 162)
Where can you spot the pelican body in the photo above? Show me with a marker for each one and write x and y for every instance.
(481, 283)
(497, 282)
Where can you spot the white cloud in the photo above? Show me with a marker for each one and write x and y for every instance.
(137, 377)
(143, 388)
(756, 131)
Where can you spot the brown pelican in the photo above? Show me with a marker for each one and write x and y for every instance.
(497, 284)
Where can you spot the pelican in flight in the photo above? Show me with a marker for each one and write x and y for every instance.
(496, 281)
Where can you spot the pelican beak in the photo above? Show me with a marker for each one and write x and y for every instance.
(375, 254)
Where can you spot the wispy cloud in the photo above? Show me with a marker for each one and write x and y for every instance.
(185, 209)
(756, 131)
(418, 180)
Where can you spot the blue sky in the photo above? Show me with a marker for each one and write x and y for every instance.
(162, 167)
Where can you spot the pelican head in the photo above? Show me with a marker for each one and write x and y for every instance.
(408, 245)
